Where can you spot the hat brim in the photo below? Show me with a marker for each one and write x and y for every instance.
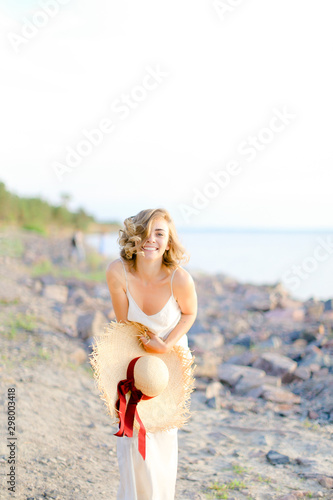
(111, 354)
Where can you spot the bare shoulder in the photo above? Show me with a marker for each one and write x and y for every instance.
(182, 279)
(114, 267)
(115, 274)
(185, 292)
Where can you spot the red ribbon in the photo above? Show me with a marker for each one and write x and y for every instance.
(127, 414)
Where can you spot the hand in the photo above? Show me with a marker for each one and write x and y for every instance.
(153, 344)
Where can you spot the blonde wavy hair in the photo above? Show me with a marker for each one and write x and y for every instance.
(136, 230)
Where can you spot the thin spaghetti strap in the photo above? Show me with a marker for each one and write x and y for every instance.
(172, 279)
(125, 273)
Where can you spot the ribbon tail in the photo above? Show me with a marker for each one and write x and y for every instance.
(121, 407)
(141, 437)
(130, 413)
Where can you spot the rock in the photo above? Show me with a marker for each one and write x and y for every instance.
(47, 280)
(244, 340)
(328, 305)
(306, 462)
(101, 291)
(59, 293)
(278, 395)
(206, 366)
(314, 356)
(275, 458)
(301, 373)
(91, 324)
(327, 344)
(193, 496)
(214, 402)
(301, 343)
(207, 341)
(218, 287)
(215, 389)
(250, 382)
(259, 301)
(201, 384)
(69, 322)
(325, 481)
(313, 415)
(273, 341)
(89, 343)
(240, 325)
(37, 286)
(78, 297)
(283, 315)
(314, 308)
(310, 334)
(79, 356)
(314, 367)
(197, 327)
(231, 374)
(275, 364)
(322, 373)
(290, 496)
(245, 359)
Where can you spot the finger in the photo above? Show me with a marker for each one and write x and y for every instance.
(144, 340)
(149, 333)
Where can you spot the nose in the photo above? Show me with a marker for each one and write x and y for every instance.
(150, 239)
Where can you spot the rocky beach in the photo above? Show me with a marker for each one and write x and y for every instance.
(262, 410)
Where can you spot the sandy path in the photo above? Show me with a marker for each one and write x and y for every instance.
(66, 447)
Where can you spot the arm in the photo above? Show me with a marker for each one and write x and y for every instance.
(184, 291)
(117, 287)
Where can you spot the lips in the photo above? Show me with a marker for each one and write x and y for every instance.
(150, 248)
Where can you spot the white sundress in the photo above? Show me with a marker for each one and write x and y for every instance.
(155, 477)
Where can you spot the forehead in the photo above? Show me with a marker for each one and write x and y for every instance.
(159, 223)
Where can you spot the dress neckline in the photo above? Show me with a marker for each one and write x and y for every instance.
(149, 315)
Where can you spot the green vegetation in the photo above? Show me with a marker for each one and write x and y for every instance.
(11, 246)
(94, 262)
(238, 469)
(20, 321)
(36, 214)
(42, 354)
(24, 321)
(221, 490)
(9, 364)
(310, 425)
(264, 479)
(7, 302)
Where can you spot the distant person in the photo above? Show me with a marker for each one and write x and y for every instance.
(102, 243)
(78, 253)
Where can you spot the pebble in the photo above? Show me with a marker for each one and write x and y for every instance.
(275, 458)
(327, 482)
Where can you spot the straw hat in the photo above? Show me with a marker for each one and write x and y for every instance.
(158, 385)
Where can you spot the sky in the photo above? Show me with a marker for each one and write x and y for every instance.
(219, 111)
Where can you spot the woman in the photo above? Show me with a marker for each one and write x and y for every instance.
(140, 284)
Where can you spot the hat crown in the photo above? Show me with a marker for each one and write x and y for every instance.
(151, 375)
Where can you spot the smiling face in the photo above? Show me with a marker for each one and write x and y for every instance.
(158, 240)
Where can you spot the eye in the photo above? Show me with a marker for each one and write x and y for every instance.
(159, 234)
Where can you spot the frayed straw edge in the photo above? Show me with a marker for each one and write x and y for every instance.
(188, 378)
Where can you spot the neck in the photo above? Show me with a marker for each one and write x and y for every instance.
(148, 271)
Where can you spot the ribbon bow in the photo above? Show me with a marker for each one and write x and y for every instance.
(127, 414)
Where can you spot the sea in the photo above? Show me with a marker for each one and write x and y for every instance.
(301, 260)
